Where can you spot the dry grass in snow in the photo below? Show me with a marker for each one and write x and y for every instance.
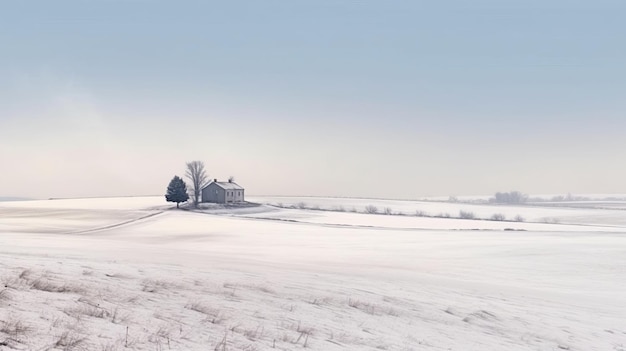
(65, 306)
(146, 279)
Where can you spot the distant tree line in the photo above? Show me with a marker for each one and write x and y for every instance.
(512, 197)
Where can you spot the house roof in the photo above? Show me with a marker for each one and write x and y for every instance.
(226, 185)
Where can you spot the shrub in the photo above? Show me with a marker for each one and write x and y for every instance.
(466, 215)
(69, 340)
(371, 209)
(519, 218)
(388, 211)
(419, 213)
(498, 217)
(301, 205)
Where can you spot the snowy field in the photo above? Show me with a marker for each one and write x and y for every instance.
(581, 213)
(132, 273)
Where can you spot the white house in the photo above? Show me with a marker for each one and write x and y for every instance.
(222, 192)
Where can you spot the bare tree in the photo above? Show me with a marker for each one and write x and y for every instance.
(198, 177)
(371, 209)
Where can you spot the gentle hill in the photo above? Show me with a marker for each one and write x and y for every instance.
(133, 273)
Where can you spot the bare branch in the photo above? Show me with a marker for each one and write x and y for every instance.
(198, 177)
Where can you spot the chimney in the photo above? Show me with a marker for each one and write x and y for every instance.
(215, 180)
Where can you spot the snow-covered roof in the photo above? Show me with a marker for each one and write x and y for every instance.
(227, 185)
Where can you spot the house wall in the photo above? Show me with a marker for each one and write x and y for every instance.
(233, 196)
(221, 195)
(213, 193)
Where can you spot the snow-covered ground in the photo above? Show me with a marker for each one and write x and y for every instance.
(565, 213)
(130, 273)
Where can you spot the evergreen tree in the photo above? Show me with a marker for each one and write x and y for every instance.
(177, 191)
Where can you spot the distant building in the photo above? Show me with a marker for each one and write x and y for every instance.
(222, 192)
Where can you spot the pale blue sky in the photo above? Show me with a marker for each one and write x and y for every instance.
(393, 99)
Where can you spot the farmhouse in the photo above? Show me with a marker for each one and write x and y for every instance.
(222, 192)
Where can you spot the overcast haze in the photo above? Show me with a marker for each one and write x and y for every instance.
(396, 99)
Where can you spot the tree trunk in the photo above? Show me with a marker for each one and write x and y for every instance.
(177, 204)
